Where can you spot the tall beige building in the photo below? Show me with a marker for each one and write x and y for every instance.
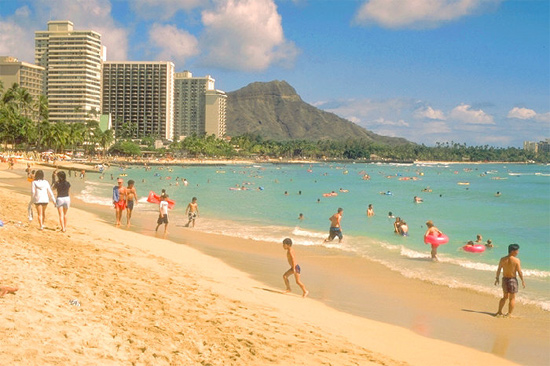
(198, 107)
(73, 60)
(140, 95)
(28, 76)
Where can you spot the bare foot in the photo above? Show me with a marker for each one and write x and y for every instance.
(286, 291)
(305, 294)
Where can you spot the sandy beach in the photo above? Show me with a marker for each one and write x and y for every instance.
(145, 300)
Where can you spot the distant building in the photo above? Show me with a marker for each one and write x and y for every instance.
(530, 146)
(544, 146)
(140, 95)
(72, 80)
(198, 107)
(27, 75)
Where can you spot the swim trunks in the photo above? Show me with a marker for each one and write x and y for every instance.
(162, 220)
(510, 285)
(130, 205)
(297, 269)
(335, 232)
(192, 215)
(121, 205)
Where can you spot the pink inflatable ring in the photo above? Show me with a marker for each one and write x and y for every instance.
(474, 248)
(436, 239)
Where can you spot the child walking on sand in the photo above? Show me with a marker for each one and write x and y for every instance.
(163, 213)
(294, 268)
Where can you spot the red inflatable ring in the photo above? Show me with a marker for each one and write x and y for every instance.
(474, 248)
(436, 239)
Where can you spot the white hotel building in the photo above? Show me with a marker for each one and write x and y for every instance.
(72, 60)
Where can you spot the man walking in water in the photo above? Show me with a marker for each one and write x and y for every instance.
(510, 265)
(335, 228)
(294, 268)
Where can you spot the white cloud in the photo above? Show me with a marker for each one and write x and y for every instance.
(174, 44)
(417, 13)
(163, 9)
(544, 117)
(528, 114)
(17, 35)
(245, 35)
(385, 122)
(90, 15)
(463, 113)
(521, 113)
(17, 30)
(429, 113)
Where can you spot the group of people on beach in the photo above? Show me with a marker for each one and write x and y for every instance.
(125, 197)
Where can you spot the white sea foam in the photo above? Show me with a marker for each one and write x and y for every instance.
(90, 198)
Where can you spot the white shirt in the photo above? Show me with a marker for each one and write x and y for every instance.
(40, 189)
(164, 207)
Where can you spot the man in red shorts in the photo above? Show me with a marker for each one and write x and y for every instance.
(119, 199)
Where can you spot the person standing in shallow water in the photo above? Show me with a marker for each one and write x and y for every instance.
(294, 268)
(510, 266)
(335, 226)
(432, 230)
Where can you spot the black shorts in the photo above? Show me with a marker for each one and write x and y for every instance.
(335, 232)
(162, 220)
(130, 205)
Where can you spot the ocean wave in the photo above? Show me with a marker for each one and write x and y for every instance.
(90, 198)
(446, 281)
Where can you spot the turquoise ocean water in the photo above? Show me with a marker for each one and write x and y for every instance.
(521, 214)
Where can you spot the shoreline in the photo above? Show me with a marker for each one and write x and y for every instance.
(390, 296)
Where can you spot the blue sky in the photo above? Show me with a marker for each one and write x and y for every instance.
(469, 71)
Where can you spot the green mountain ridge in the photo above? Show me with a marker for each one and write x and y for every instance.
(275, 111)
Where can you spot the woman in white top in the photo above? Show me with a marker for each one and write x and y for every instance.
(41, 193)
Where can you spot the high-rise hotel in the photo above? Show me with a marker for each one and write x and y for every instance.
(140, 95)
(198, 107)
(73, 71)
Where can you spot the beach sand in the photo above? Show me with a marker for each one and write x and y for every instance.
(149, 301)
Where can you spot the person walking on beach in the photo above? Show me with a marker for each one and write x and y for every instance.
(41, 194)
(131, 198)
(432, 230)
(510, 265)
(335, 226)
(294, 268)
(119, 200)
(163, 213)
(63, 200)
(192, 211)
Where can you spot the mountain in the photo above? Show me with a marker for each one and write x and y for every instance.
(275, 111)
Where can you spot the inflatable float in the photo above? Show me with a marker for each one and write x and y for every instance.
(155, 198)
(478, 248)
(436, 239)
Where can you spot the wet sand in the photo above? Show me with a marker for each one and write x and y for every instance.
(411, 317)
